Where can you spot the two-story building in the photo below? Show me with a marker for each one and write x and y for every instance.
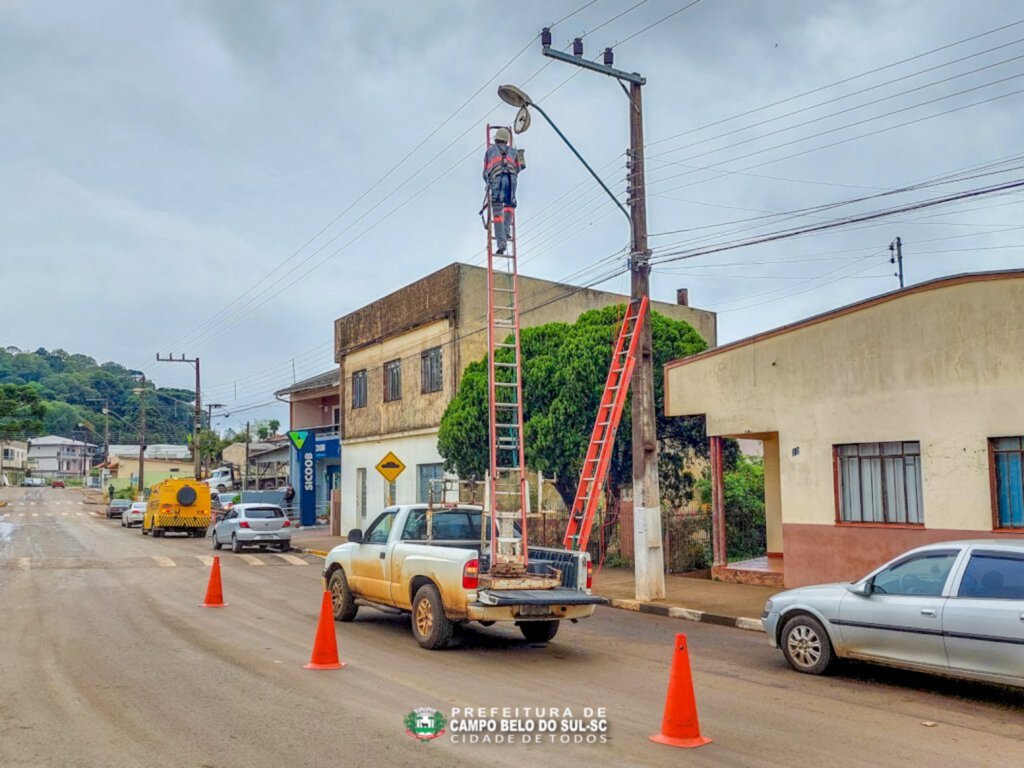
(58, 457)
(13, 461)
(314, 410)
(401, 359)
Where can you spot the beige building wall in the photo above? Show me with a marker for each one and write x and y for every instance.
(941, 363)
(415, 409)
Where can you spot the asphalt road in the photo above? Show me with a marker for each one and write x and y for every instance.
(107, 660)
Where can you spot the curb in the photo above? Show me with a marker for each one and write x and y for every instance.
(658, 609)
(687, 614)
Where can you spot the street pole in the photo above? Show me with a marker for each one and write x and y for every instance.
(142, 442)
(197, 419)
(649, 557)
(209, 426)
(245, 470)
(896, 248)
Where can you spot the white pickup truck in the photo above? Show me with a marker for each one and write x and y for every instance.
(430, 563)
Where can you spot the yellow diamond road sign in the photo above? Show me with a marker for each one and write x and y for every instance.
(391, 467)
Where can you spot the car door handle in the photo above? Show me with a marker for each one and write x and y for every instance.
(929, 612)
(381, 555)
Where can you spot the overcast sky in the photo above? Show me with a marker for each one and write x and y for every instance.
(166, 167)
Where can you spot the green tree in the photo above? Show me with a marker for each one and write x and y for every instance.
(273, 425)
(564, 371)
(743, 489)
(21, 410)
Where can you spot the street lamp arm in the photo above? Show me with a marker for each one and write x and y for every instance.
(580, 158)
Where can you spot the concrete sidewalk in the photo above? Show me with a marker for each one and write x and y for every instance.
(691, 599)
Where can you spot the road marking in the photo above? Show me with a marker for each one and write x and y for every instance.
(292, 559)
(163, 561)
(65, 514)
(35, 514)
(24, 563)
(205, 559)
(78, 514)
(252, 560)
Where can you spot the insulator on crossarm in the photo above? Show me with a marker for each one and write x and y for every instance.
(577, 46)
(609, 57)
(545, 37)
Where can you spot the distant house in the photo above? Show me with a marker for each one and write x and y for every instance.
(162, 462)
(13, 461)
(58, 457)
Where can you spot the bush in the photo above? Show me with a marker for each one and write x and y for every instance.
(744, 507)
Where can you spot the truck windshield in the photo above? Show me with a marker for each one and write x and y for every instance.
(448, 525)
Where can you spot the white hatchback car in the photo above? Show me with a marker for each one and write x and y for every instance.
(133, 515)
(253, 525)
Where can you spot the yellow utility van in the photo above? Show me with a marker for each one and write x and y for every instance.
(177, 505)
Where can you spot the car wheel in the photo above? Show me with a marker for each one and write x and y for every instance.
(806, 646)
(286, 547)
(213, 539)
(539, 631)
(236, 545)
(431, 628)
(342, 602)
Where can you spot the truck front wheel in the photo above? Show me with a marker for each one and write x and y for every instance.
(342, 602)
(539, 631)
(431, 628)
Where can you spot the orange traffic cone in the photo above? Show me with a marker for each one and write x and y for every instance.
(214, 592)
(679, 726)
(325, 646)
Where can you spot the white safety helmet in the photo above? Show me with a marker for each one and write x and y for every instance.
(502, 135)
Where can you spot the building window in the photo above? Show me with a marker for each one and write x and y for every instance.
(430, 370)
(1007, 460)
(880, 483)
(359, 389)
(336, 418)
(392, 380)
(424, 474)
(8, 454)
(361, 492)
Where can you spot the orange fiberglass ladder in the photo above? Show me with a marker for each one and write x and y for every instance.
(508, 495)
(602, 438)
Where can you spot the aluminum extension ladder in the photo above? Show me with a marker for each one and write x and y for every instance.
(508, 495)
(602, 437)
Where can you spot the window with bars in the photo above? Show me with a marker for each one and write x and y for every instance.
(1007, 464)
(430, 371)
(392, 380)
(361, 492)
(359, 389)
(880, 483)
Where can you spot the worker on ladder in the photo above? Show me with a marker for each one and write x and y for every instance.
(502, 164)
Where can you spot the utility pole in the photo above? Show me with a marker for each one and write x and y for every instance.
(649, 555)
(245, 470)
(142, 437)
(896, 248)
(197, 419)
(209, 426)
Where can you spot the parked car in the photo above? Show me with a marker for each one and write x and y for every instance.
(33, 482)
(118, 507)
(433, 567)
(253, 525)
(134, 515)
(57, 484)
(955, 608)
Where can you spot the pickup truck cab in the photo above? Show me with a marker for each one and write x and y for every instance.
(433, 563)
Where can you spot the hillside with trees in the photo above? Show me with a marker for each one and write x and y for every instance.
(54, 392)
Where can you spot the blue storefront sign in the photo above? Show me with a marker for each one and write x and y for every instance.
(304, 442)
(328, 448)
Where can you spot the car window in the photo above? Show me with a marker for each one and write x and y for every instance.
(380, 529)
(139, 506)
(255, 513)
(451, 524)
(923, 575)
(994, 575)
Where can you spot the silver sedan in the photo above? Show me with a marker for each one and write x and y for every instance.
(955, 608)
(253, 525)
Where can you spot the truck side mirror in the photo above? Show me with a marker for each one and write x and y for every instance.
(355, 536)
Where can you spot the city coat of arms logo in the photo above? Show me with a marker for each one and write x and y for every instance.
(425, 723)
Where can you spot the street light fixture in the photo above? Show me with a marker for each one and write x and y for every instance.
(516, 97)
